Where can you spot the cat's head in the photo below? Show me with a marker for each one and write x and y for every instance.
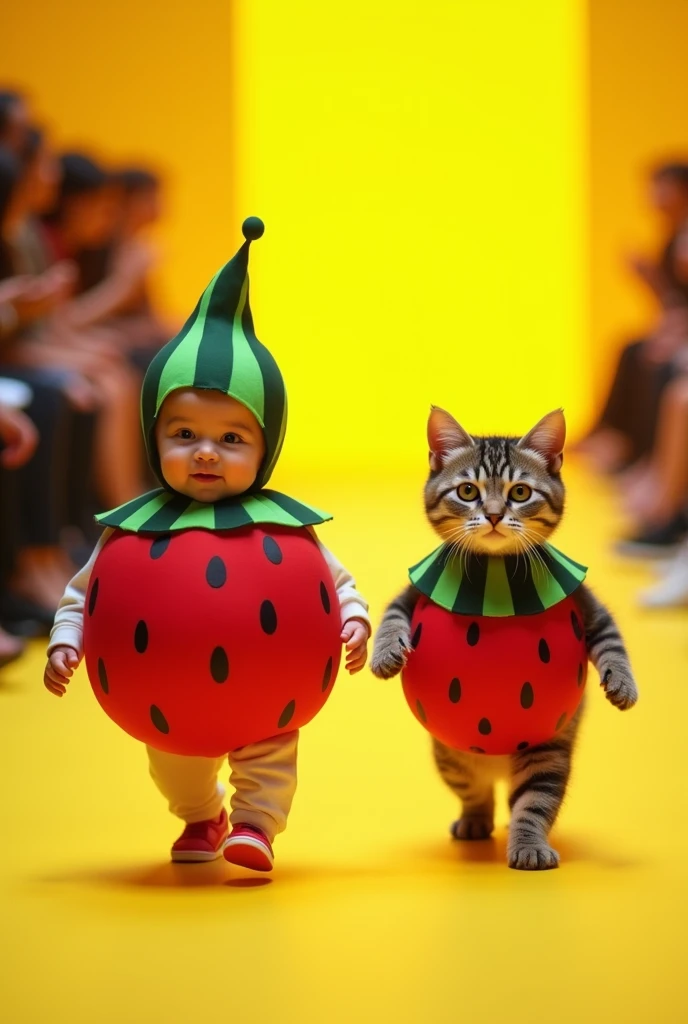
(495, 495)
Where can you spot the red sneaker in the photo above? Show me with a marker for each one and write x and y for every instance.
(202, 840)
(249, 847)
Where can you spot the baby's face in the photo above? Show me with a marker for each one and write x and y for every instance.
(210, 445)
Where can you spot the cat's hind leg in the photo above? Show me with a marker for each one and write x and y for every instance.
(467, 778)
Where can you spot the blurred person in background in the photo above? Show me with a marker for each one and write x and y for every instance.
(14, 120)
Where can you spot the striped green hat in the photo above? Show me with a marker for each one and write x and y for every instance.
(496, 585)
(217, 350)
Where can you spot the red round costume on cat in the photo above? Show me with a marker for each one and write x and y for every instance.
(199, 642)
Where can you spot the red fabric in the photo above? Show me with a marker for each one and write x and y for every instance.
(493, 685)
(205, 642)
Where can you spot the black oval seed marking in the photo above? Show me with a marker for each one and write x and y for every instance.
(560, 722)
(268, 617)
(160, 545)
(580, 674)
(158, 719)
(484, 727)
(327, 675)
(421, 711)
(273, 551)
(543, 651)
(141, 637)
(527, 696)
(216, 573)
(325, 598)
(102, 676)
(415, 639)
(522, 746)
(287, 715)
(93, 597)
(473, 634)
(219, 665)
(477, 750)
(577, 628)
(455, 691)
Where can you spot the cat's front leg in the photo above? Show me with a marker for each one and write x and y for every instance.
(607, 651)
(393, 637)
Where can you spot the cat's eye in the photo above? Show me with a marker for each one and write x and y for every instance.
(520, 492)
(467, 492)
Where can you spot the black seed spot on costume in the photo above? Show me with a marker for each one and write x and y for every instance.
(580, 675)
(543, 651)
(325, 598)
(94, 597)
(327, 675)
(473, 634)
(527, 696)
(141, 637)
(273, 551)
(415, 639)
(560, 722)
(522, 746)
(268, 617)
(455, 691)
(160, 546)
(216, 573)
(102, 676)
(477, 750)
(484, 727)
(158, 719)
(287, 715)
(577, 628)
(219, 665)
(421, 711)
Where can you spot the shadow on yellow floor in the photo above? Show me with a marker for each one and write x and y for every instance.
(373, 913)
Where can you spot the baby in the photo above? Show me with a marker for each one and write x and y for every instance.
(214, 438)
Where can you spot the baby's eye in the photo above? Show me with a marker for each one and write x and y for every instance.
(467, 492)
(520, 492)
(231, 438)
(185, 434)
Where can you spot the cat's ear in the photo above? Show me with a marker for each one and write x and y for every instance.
(445, 435)
(547, 438)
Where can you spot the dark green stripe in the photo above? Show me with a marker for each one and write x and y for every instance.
(118, 515)
(305, 515)
(523, 592)
(471, 595)
(427, 582)
(151, 382)
(164, 519)
(564, 578)
(229, 517)
(215, 351)
(273, 389)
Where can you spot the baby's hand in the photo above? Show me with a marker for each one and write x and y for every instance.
(59, 670)
(355, 635)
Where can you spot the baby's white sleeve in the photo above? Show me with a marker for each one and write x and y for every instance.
(352, 604)
(68, 627)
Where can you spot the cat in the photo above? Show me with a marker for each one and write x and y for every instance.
(505, 496)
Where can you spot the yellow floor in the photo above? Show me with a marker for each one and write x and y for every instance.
(371, 914)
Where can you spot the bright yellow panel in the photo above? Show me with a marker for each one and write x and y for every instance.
(420, 171)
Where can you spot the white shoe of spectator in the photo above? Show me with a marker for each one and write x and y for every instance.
(672, 590)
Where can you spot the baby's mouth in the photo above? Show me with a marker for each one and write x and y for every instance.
(205, 478)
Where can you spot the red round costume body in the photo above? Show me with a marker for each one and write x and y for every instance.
(200, 642)
(495, 685)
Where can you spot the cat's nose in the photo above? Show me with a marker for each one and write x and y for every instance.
(494, 519)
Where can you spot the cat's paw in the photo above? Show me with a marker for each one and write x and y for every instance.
(533, 857)
(477, 826)
(616, 679)
(389, 656)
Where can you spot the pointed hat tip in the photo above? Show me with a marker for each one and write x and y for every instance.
(252, 228)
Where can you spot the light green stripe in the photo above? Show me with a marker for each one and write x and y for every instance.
(280, 441)
(180, 368)
(447, 587)
(425, 564)
(549, 590)
(263, 510)
(497, 599)
(577, 571)
(246, 382)
(138, 518)
(198, 513)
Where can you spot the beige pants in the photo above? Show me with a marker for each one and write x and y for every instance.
(263, 776)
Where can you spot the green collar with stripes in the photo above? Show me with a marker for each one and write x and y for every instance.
(497, 586)
(164, 512)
